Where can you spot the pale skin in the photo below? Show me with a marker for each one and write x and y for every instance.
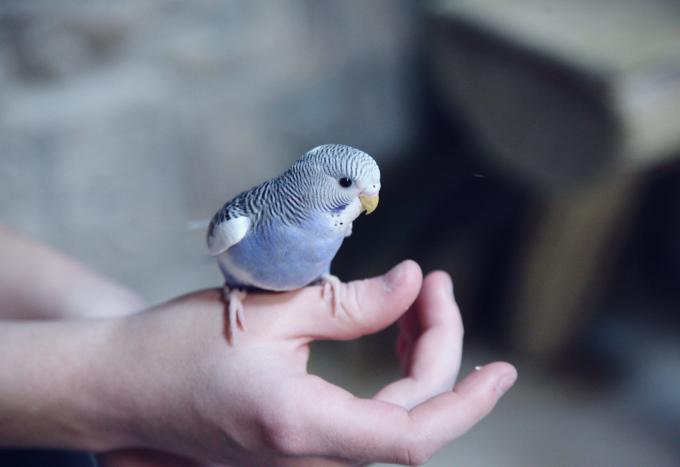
(83, 365)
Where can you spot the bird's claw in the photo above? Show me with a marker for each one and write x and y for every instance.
(235, 310)
(332, 285)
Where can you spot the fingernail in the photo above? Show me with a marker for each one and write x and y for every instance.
(446, 290)
(391, 279)
(505, 383)
(478, 367)
(450, 288)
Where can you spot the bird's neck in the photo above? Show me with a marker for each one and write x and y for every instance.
(291, 203)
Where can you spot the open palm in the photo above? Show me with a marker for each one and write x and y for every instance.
(188, 392)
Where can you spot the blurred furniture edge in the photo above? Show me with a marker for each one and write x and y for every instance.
(578, 98)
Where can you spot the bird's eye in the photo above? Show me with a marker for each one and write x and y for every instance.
(345, 182)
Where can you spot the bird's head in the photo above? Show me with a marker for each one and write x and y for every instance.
(338, 176)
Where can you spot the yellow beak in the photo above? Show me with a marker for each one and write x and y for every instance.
(369, 203)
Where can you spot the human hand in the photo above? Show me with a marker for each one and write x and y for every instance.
(186, 391)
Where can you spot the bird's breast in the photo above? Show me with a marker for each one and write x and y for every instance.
(278, 256)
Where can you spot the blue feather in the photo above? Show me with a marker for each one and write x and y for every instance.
(280, 256)
(339, 209)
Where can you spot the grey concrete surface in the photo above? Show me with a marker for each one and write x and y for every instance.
(121, 122)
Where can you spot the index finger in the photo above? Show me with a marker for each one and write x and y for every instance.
(434, 335)
(335, 423)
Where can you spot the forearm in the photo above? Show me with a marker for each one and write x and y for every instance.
(46, 398)
(37, 282)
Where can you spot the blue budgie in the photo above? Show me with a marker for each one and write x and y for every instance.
(283, 234)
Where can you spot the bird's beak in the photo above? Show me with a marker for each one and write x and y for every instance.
(369, 203)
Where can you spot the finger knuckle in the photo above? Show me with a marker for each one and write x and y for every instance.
(350, 303)
(461, 329)
(485, 403)
(459, 332)
(283, 433)
(415, 453)
(413, 449)
(458, 323)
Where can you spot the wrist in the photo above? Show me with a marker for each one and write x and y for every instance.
(46, 398)
(140, 386)
(157, 370)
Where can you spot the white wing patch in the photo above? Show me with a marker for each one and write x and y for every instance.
(227, 234)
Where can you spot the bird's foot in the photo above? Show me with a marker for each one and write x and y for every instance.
(235, 310)
(332, 286)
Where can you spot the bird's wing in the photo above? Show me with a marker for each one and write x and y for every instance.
(229, 225)
(227, 233)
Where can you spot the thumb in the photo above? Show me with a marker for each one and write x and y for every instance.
(365, 306)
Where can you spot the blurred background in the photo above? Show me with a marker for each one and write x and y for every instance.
(529, 148)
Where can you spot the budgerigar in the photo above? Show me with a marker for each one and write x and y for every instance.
(283, 234)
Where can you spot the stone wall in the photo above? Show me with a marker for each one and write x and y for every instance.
(122, 121)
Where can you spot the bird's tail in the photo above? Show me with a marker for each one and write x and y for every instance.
(197, 224)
